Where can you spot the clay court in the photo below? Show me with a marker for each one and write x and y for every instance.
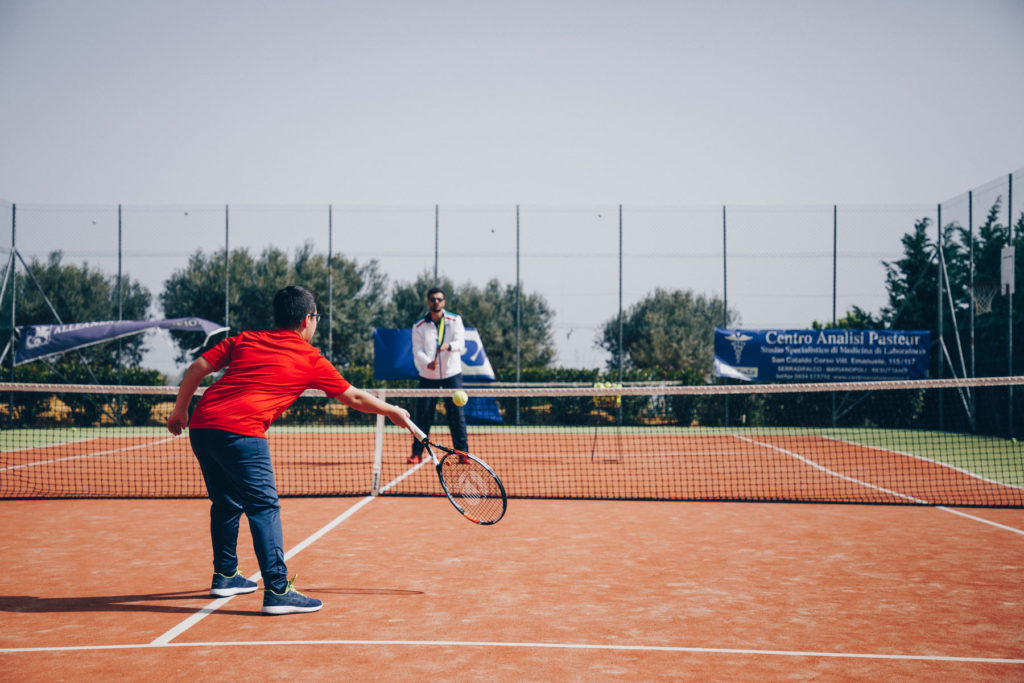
(558, 590)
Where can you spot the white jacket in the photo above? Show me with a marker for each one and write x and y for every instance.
(425, 345)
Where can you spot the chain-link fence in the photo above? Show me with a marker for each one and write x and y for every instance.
(775, 266)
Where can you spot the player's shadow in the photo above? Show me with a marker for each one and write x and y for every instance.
(165, 602)
(117, 603)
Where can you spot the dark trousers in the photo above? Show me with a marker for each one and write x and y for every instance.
(240, 478)
(427, 405)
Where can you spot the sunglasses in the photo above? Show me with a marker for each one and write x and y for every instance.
(315, 316)
(436, 298)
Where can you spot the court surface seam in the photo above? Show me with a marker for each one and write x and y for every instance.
(549, 646)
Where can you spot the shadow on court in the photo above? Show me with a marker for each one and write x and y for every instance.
(28, 604)
(112, 603)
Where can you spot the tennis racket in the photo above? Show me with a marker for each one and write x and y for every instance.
(470, 484)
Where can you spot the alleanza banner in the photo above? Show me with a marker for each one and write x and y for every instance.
(42, 341)
(833, 355)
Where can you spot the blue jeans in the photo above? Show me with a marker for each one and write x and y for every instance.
(240, 478)
(426, 407)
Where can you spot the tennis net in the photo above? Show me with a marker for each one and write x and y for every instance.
(932, 442)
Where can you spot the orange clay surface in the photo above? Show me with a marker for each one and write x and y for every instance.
(643, 465)
(558, 590)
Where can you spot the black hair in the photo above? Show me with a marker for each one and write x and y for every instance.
(291, 305)
(436, 290)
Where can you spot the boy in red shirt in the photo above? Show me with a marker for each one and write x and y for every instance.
(266, 371)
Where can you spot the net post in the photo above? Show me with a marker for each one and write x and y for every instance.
(378, 447)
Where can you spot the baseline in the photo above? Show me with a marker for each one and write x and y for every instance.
(560, 646)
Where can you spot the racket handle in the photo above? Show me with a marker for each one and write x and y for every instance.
(418, 433)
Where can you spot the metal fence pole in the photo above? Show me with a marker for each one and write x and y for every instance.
(622, 354)
(227, 281)
(14, 293)
(972, 406)
(120, 300)
(835, 278)
(1009, 308)
(330, 283)
(518, 313)
(938, 308)
(725, 295)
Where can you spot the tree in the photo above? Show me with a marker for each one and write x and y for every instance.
(856, 318)
(669, 331)
(79, 294)
(491, 309)
(913, 304)
(990, 328)
(912, 283)
(346, 333)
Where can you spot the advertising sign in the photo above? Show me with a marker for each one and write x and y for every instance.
(833, 355)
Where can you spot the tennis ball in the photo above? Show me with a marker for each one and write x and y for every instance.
(459, 398)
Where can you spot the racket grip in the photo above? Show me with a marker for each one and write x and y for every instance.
(418, 433)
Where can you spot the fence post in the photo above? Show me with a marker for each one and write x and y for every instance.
(518, 313)
(227, 281)
(330, 283)
(725, 295)
(938, 308)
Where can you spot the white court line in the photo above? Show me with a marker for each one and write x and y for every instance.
(114, 451)
(939, 463)
(405, 474)
(880, 488)
(166, 638)
(831, 472)
(548, 646)
(983, 521)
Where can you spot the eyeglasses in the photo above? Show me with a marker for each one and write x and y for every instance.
(436, 299)
(315, 316)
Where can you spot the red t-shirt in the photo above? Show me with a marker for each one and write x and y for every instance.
(267, 371)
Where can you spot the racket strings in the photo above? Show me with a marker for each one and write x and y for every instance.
(473, 488)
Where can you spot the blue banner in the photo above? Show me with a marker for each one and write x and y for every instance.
(392, 359)
(41, 341)
(833, 355)
(392, 356)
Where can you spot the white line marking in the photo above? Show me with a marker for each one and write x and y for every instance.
(983, 521)
(831, 472)
(194, 619)
(939, 463)
(551, 646)
(114, 451)
(405, 474)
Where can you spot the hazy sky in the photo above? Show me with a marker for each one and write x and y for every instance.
(472, 102)
(555, 103)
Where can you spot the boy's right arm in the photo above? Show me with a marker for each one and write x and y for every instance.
(178, 419)
(366, 402)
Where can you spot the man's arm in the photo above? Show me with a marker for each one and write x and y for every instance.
(189, 383)
(458, 339)
(422, 352)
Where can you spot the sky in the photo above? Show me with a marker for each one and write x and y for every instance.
(554, 103)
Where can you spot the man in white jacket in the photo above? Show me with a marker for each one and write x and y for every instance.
(438, 342)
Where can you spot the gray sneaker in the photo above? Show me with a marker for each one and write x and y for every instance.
(288, 602)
